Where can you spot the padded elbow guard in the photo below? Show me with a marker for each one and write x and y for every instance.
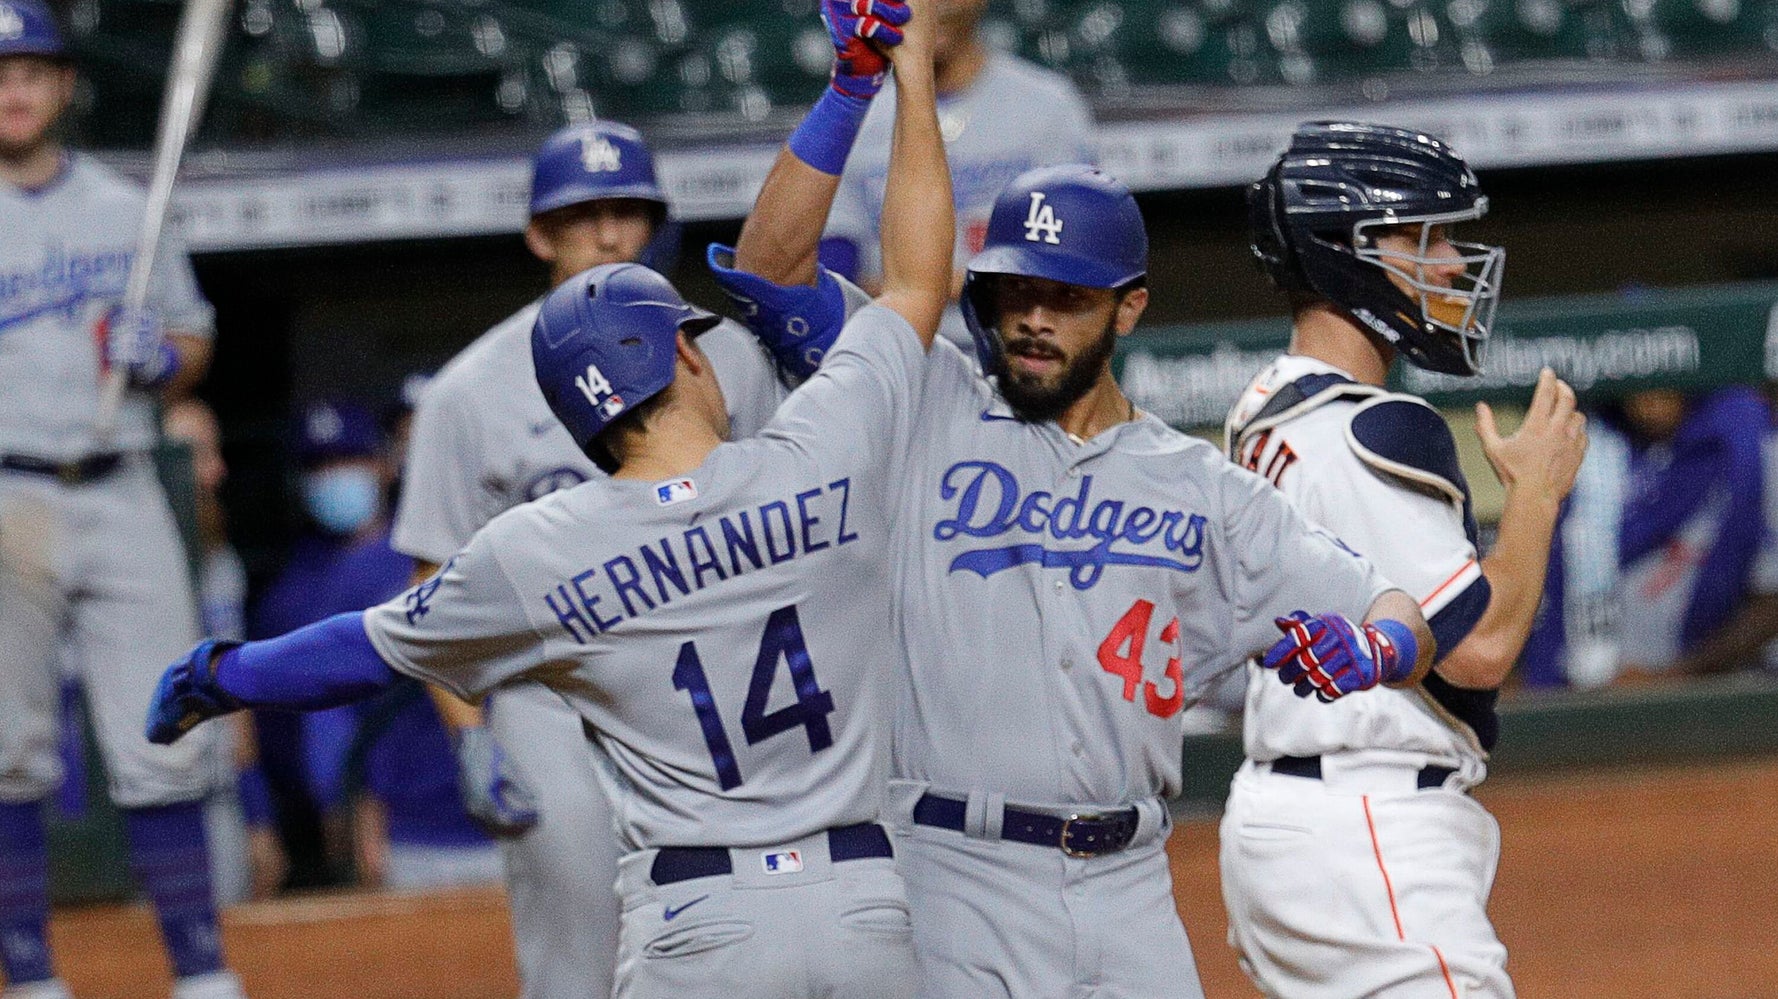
(797, 324)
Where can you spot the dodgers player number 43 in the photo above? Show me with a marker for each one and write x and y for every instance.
(718, 630)
(1366, 799)
(1071, 573)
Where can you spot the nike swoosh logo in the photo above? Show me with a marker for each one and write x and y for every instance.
(990, 417)
(539, 429)
(670, 913)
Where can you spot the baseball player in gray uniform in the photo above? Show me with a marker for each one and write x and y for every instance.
(1072, 573)
(1353, 861)
(90, 559)
(483, 441)
(713, 611)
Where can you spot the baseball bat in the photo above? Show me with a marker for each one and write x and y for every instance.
(195, 49)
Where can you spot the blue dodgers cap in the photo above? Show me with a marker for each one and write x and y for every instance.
(592, 162)
(26, 28)
(1071, 223)
(605, 341)
(329, 429)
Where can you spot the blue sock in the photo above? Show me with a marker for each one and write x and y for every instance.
(172, 862)
(24, 894)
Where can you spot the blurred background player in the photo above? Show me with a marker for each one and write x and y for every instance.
(247, 857)
(1028, 878)
(1657, 555)
(1353, 863)
(484, 440)
(89, 554)
(1001, 115)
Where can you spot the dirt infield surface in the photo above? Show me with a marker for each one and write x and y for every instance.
(1656, 883)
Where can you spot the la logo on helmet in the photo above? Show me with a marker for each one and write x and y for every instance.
(598, 155)
(12, 24)
(1041, 225)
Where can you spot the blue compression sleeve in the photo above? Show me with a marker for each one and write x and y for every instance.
(1406, 646)
(825, 137)
(323, 665)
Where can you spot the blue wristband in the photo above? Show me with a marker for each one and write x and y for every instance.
(825, 137)
(1407, 649)
(256, 797)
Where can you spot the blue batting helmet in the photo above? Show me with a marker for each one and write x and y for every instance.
(1074, 224)
(592, 162)
(604, 343)
(26, 28)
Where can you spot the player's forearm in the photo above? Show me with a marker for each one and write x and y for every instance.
(1398, 606)
(919, 224)
(194, 353)
(781, 237)
(1515, 572)
(323, 665)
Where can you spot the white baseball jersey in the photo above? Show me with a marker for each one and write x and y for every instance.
(484, 439)
(1015, 116)
(1065, 600)
(1379, 470)
(64, 261)
(722, 632)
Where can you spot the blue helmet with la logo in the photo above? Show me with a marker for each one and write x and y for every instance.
(593, 162)
(28, 29)
(605, 342)
(1073, 223)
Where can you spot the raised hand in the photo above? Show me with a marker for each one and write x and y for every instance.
(136, 343)
(1545, 453)
(861, 30)
(1330, 657)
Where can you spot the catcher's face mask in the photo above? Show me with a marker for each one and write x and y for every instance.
(1455, 284)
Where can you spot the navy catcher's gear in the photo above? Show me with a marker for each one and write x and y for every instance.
(188, 694)
(1071, 223)
(605, 342)
(594, 162)
(494, 792)
(26, 28)
(1315, 216)
(1330, 657)
(796, 324)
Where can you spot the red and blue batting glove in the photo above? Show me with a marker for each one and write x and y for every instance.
(859, 29)
(1330, 657)
(136, 343)
(188, 694)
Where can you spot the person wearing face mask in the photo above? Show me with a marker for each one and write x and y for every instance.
(340, 456)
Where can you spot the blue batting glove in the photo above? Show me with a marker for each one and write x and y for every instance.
(494, 793)
(853, 26)
(136, 343)
(1330, 657)
(188, 694)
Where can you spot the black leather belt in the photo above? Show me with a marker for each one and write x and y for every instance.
(1430, 776)
(1085, 834)
(682, 863)
(77, 472)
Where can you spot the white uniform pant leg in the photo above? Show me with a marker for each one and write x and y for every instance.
(835, 932)
(560, 876)
(33, 556)
(1005, 919)
(134, 614)
(1335, 895)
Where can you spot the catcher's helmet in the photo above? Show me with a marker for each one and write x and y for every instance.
(1315, 216)
(592, 162)
(26, 28)
(1073, 224)
(604, 342)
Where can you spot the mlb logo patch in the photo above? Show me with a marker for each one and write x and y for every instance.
(788, 862)
(676, 491)
(611, 407)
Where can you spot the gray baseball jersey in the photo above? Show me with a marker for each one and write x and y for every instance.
(63, 266)
(1015, 116)
(740, 699)
(1064, 600)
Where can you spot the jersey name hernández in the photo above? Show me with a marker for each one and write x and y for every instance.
(722, 632)
(1380, 471)
(1064, 601)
